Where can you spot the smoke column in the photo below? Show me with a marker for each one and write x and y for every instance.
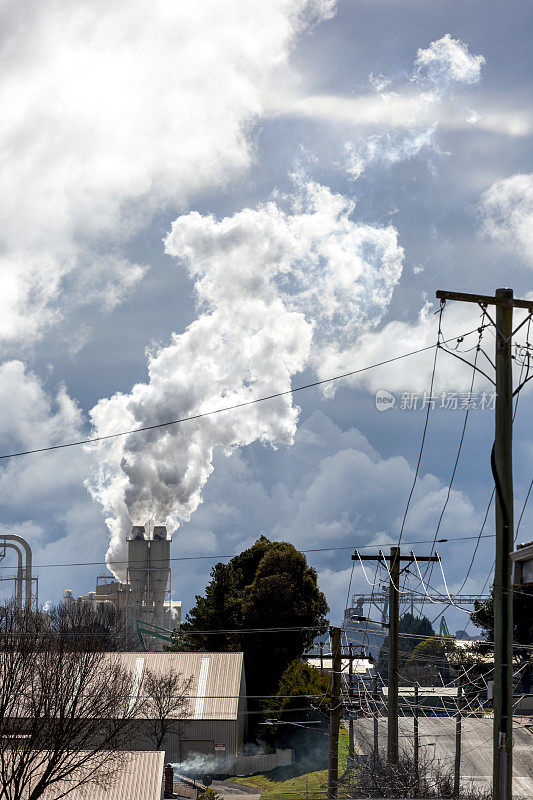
(275, 287)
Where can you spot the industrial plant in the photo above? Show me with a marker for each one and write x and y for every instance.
(144, 600)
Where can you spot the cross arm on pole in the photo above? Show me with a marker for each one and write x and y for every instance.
(485, 300)
(390, 558)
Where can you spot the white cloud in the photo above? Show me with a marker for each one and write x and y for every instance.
(42, 495)
(405, 109)
(274, 287)
(111, 111)
(448, 60)
(418, 105)
(29, 416)
(385, 148)
(507, 209)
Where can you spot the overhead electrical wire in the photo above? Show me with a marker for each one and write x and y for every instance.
(526, 365)
(463, 431)
(426, 422)
(107, 437)
(474, 554)
(214, 557)
(429, 567)
(523, 509)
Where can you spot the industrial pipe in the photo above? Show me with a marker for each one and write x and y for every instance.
(10, 537)
(20, 573)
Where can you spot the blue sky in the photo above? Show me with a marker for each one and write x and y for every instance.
(202, 205)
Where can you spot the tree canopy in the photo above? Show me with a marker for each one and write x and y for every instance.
(303, 695)
(269, 585)
(483, 617)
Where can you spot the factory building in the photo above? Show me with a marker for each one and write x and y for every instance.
(146, 596)
(212, 724)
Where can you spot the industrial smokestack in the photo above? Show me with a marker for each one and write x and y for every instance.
(138, 572)
(159, 570)
(148, 573)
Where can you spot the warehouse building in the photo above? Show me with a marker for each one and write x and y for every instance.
(214, 718)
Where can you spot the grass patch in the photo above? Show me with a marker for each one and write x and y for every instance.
(297, 782)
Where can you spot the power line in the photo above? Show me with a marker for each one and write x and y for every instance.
(193, 417)
(454, 470)
(523, 508)
(421, 450)
(213, 558)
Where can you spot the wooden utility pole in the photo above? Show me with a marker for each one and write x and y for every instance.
(394, 638)
(503, 588)
(335, 713)
(502, 469)
(376, 730)
(457, 765)
(351, 747)
(394, 651)
(415, 733)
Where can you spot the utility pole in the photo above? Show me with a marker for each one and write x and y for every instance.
(335, 713)
(394, 651)
(502, 469)
(376, 730)
(457, 765)
(394, 637)
(351, 747)
(415, 733)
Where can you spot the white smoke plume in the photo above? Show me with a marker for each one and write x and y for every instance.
(275, 285)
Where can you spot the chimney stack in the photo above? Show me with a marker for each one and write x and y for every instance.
(148, 573)
(169, 780)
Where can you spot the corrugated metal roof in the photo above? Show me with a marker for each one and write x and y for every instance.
(216, 678)
(139, 777)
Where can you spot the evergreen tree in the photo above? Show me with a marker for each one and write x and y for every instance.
(269, 585)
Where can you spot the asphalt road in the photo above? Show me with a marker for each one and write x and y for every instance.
(437, 735)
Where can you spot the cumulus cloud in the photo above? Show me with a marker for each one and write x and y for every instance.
(42, 496)
(111, 111)
(274, 287)
(448, 60)
(507, 209)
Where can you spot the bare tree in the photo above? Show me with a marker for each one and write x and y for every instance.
(102, 627)
(380, 778)
(165, 704)
(64, 709)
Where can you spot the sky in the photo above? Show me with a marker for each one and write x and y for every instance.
(203, 204)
